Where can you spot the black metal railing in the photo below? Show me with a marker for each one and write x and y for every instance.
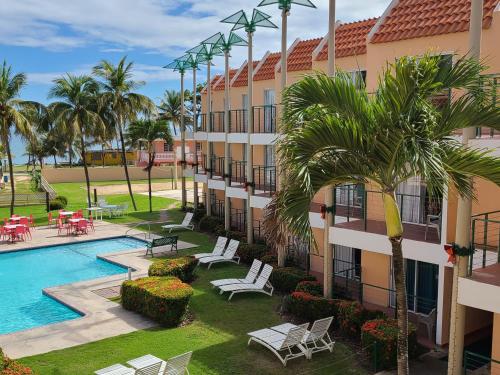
(258, 231)
(475, 363)
(264, 119)
(201, 123)
(217, 207)
(485, 238)
(238, 220)
(217, 165)
(238, 121)
(218, 121)
(238, 171)
(490, 83)
(203, 164)
(264, 178)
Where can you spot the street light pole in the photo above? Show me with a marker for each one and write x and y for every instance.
(183, 146)
(196, 198)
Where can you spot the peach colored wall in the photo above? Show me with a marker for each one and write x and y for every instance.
(495, 345)
(258, 155)
(348, 64)
(448, 283)
(218, 148)
(375, 271)
(237, 203)
(237, 151)
(476, 319)
(258, 90)
(317, 257)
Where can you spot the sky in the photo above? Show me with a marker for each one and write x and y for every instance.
(48, 38)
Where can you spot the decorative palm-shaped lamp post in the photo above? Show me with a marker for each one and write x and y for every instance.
(285, 6)
(205, 54)
(241, 21)
(226, 45)
(180, 65)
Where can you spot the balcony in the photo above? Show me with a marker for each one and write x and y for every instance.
(264, 119)
(216, 166)
(238, 172)
(217, 207)
(264, 178)
(218, 122)
(238, 121)
(238, 220)
(363, 211)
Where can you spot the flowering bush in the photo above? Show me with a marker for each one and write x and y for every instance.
(351, 316)
(248, 253)
(285, 279)
(182, 267)
(163, 299)
(311, 287)
(382, 335)
(309, 307)
(10, 367)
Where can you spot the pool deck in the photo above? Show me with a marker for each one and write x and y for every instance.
(101, 318)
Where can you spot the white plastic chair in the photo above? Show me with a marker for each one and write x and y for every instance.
(429, 320)
(218, 249)
(249, 278)
(228, 256)
(186, 223)
(259, 286)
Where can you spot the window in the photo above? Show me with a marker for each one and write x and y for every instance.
(347, 262)
(269, 114)
(167, 147)
(358, 77)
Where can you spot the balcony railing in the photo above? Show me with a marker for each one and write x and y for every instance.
(485, 238)
(258, 231)
(217, 207)
(238, 220)
(264, 178)
(238, 121)
(217, 165)
(218, 122)
(238, 171)
(364, 211)
(264, 119)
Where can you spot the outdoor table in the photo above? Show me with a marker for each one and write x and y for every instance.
(74, 222)
(65, 215)
(97, 210)
(11, 228)
(110, 208)
(17, 219)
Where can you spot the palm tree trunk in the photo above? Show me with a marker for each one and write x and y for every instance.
(125, 166)
(150, 166)
(395, 234)
(70, 156)
(87, 178)
(11, 176)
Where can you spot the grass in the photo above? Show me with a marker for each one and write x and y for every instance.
(217, 335)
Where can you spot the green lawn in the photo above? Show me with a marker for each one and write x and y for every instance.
(217, 336)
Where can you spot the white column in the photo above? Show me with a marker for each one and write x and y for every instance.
(249, 145)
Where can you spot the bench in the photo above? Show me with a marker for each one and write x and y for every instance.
(159, 242)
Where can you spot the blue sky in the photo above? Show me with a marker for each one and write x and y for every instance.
(46, 38)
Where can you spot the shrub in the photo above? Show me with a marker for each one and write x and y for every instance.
(309, 307)
(270, 259)
(236, 235)
(351, 316)
(63, 199)
(56, 204)
(10, 367)
(382, 335)
(220, 230)
(209, 223)
(311, 287)
(285, 279)
(182, 267)
(198, 214)
(248, 253)
(163, 299)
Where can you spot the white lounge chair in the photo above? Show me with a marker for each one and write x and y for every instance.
(258, 287)
(249, 278)
(315, 340)
(228, 256)
(218, 249)
(186, 223)
(289, 344)
(174, 366)
(147, 369)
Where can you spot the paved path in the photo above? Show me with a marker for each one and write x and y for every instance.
(101, 318)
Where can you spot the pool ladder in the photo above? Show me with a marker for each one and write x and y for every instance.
(147, 234)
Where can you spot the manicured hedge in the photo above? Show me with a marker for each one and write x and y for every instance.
(182, 267)
(285, 279)
(308, 307)
(163, 299)
(209, 224)
(382, 335)
(312, 287)
(248, 253)
(10, 367)
(351, 316)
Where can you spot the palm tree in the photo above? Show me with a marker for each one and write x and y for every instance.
(77, 112)
(170, 108)
(336, 133)
(145, 132)
(12, 115)
(124, 104)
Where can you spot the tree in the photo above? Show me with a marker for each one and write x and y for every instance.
(170, 108)
(145, 132)
(77, 112)
(336, 133)
(117, 95)
(12, 115)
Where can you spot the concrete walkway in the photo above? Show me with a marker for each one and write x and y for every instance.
(101, 318)
(428, 364)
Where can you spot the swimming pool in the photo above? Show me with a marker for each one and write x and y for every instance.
(23, 275)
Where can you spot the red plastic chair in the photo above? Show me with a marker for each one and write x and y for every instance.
(91, 222)
(61, 227)
(25, 222)
(19, 233)
(82, 227)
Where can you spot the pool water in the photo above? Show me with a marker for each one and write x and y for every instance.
(23, 275)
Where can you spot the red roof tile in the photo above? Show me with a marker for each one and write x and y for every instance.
(350, 39)
(266, 70)
(410, 19)
(220, 85)
(301, 56)
(214, 81)
(242, 79)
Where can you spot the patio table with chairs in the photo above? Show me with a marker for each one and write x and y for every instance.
(75, 223)
(17, 228)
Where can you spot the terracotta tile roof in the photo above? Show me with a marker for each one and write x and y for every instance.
(350, 39)
(242, 79)
(266, 70)
(410, 19)
(214, 81)
(301, 56)
(220, 85)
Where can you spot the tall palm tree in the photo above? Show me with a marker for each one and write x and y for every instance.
(117, 94)
(77, 112)
(145, 132)
(336, 133)
(12, 115)
(170, 108)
